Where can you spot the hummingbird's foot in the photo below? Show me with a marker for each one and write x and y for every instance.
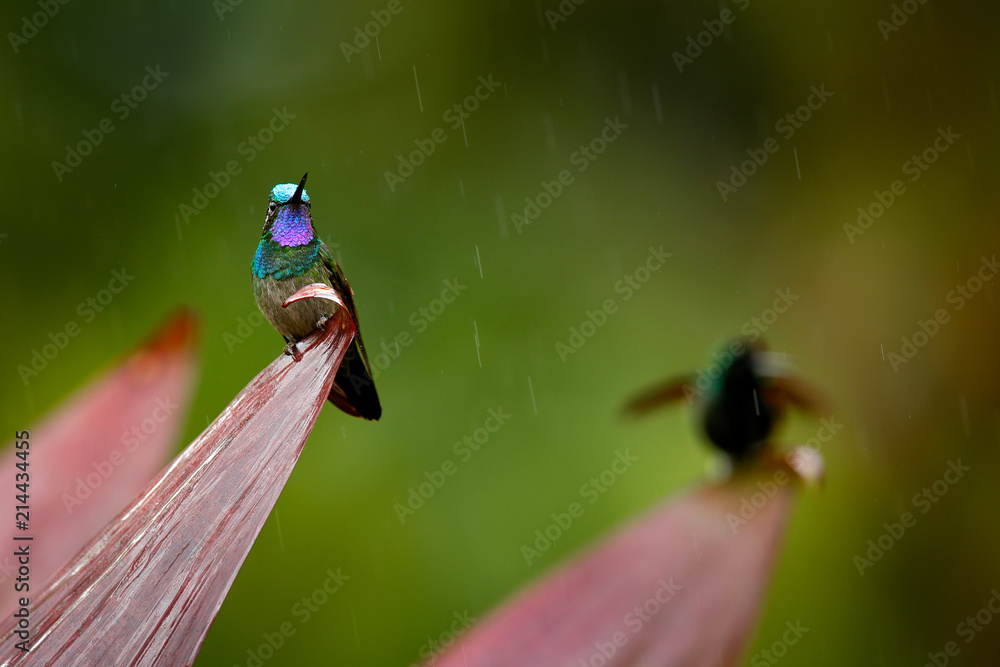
(321, 325)
(293, 351)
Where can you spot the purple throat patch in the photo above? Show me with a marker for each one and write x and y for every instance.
(293, 227)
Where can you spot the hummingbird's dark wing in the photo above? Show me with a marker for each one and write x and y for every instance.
(354, 388)
(339, 282)
(668, 392)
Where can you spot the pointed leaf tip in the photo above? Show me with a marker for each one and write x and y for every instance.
(175, 339)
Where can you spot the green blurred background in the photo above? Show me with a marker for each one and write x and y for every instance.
(230, 65)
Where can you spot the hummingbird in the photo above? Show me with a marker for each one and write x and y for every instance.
(290, 256)
(740, 398)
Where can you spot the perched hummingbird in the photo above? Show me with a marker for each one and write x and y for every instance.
(290, 256)
(740, 398)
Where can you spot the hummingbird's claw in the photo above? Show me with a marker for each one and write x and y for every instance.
(321, 325)
(293, 351)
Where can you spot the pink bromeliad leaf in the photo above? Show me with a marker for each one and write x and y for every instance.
(145, 591)
(92, 454)
(679, 586)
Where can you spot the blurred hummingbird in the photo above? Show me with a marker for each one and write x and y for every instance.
(290, 256)
(740, 399)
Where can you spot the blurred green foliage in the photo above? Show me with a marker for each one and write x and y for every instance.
(495, 346)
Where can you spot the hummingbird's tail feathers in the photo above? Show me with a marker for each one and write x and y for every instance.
(354, 389)
(339, 398)
(669, 392)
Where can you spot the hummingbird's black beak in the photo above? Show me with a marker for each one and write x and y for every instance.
(297, 197)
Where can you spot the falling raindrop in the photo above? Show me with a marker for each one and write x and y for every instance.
(354, 620)
(963, 405)
(550, 132)
(477, 343)
(419, 101)
(623, 91)
(656, 104)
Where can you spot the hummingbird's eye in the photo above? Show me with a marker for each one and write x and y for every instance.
(272, 207)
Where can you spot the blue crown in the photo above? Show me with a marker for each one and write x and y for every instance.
(282, 193)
